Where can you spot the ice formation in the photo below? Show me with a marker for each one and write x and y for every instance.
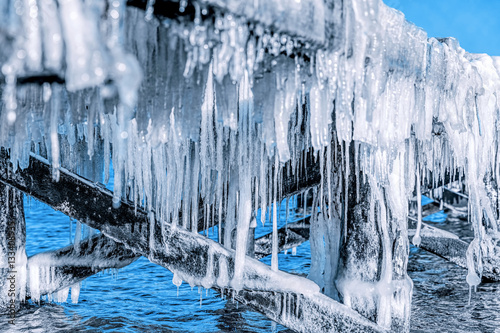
(198, 118)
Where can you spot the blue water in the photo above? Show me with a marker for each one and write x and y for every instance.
(142, 298)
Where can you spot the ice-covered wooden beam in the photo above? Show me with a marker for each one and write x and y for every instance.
(448, 246)
(305, 313)
(289, 236)
(71, 266)
(305, 19)
(192, 257)
(54, 271)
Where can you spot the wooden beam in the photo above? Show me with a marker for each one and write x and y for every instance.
(74, 263)
(450, 247)
(312, 313)
(289, 236)
(71, 266)
(305, 19)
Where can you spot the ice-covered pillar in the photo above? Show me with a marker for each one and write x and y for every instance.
(372, 277)
(12, 245)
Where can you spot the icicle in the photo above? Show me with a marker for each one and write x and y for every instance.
(33, 43)
(75, 293)
(472, 278)
(34, 280)
(417, 239)
(149, 10)
(52, 36)
(223, 279)
(177, 282)
(54, 136)
(78, 237)
(274, 256)
(84, 52)
(62, 295)
(346, 187)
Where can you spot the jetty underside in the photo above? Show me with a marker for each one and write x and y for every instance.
(226, 163)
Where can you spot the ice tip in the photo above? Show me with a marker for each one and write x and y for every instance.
(116, 202)
(416, 240)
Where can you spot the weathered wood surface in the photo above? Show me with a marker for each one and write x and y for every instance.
(289, 236)
(195, 259)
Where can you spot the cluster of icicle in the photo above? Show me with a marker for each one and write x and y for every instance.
(223, 104)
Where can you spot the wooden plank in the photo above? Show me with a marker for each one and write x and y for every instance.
(313, 313)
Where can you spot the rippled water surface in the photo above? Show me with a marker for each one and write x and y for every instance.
(142, 298)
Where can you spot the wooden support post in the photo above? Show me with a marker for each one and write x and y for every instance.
(372, 277)
(194, 258)
(364, 281)
(12, 248)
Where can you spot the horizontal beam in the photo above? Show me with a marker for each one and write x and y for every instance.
(303, 19)
(74, 263)
(192, 257)
(72, 266)
(294, 234)
(449, 247)
(289, 236)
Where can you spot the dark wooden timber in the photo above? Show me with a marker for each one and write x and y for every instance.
(193, 257)
(76, 262)
(289, 236)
